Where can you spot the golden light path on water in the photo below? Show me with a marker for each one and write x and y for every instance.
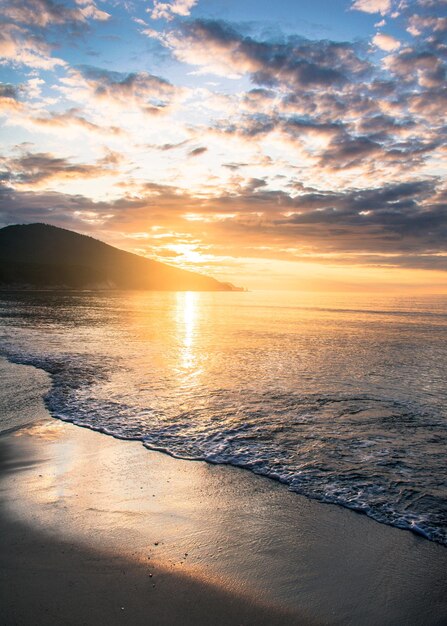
(186, 318)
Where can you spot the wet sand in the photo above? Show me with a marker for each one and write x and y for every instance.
(94, 530)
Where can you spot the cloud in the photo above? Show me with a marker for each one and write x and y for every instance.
(146, 92)
(35, 169)
(20, 113)
(386, 42)
(217, 47)
(419, 65)
(43, 13)
(19, 47)
(346, 152)
(303, 86)
(170, 146)
(70, 119)
(9, 99)
(197, 151)
(167, 10)
(417, 24)
(400, 223)
(88, 9)
(375, 143)
(24, 29)
(8, 91)
(372, 6)
(404, 218)
(431, 103)
(431, 4)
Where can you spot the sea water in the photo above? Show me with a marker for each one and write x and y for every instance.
(341, 397)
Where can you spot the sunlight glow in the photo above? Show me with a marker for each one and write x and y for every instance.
(186, 318)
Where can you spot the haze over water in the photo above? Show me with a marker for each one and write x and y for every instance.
(341, 397)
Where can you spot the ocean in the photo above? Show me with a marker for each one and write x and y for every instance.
(342, 397)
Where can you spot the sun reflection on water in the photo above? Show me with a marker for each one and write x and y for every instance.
(186, 318)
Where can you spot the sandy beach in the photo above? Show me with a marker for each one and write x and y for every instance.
(99, 530)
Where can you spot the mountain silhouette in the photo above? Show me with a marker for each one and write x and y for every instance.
(44, 256)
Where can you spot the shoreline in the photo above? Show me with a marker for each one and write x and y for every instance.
(48, 382)
(225, 547)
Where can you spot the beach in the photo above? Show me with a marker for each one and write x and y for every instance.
(223, 313)
(100, 530)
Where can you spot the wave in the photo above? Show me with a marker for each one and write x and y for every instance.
(341, 449)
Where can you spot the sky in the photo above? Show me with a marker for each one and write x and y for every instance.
(295, 144)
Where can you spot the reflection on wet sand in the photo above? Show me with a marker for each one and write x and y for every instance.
(240, 531)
